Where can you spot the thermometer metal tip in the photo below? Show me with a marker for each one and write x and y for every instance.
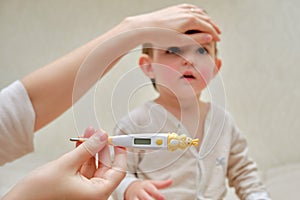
(78, 139)
(81, 139)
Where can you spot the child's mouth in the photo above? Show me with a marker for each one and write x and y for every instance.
(188, 77)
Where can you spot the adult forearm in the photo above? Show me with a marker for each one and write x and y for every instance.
(51, 88)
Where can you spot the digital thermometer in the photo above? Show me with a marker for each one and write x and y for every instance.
(164, 141)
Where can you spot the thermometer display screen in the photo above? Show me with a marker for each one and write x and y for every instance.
(142, 141)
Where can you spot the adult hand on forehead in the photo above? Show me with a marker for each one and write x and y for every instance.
(181, 18)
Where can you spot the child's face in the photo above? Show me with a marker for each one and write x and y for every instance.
(184, 70)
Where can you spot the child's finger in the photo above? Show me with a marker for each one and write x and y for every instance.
(154, 192)
(145, 195)
(162, 184)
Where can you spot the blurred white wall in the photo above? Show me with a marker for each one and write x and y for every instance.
(259, 49)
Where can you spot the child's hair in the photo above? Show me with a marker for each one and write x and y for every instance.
(147, 49)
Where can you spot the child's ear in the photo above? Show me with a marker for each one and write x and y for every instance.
(218, 63)
(145, 63)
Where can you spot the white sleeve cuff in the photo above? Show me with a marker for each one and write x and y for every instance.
(120, 191)
(258, 196)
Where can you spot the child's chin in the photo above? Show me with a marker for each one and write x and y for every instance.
(187, 95)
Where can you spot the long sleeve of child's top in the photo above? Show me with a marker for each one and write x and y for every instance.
(195, 174)
(16, 123)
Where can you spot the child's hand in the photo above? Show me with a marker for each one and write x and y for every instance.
(148, 189)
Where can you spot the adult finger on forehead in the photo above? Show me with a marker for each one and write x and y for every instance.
(206, 27)
(203, 17)
(209, 20)
(200, 12)
(197, 11)
(189, 6)
(201, 38)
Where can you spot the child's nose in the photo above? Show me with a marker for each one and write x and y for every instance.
(188, 62)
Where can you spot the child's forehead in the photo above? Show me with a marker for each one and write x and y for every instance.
(186, 41)
(183, 46)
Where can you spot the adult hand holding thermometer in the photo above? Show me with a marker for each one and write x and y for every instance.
(150, 141)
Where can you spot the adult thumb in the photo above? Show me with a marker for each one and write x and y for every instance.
(88, 149)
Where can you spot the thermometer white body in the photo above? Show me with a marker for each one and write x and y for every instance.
(141, 141)
(154, 141)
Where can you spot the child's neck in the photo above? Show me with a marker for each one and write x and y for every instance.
(190, 111)
(182, 109)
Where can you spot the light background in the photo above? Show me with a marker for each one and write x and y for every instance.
(259, 48)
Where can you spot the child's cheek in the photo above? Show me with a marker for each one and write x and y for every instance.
(166, 75)
(206, 74)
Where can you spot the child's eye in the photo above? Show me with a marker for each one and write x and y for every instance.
(202, 50)
(173, 50)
